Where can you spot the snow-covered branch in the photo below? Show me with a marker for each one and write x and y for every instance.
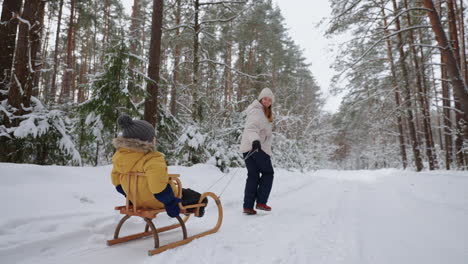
(380, 40)
(235, 70)
(222, 2)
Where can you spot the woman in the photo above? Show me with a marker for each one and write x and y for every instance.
(256, 149)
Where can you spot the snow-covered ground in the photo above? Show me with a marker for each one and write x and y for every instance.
(54, 214)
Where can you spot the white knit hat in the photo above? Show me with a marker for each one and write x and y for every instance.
(266, 92)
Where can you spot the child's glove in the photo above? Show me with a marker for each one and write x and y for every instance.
(169, 200)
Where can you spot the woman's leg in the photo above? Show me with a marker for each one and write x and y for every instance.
(251, 185)
(265, 182)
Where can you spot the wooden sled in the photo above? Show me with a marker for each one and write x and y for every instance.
(149, 214)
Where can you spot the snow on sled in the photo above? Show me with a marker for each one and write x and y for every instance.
(148, 215)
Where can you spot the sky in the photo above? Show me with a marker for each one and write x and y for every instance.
(301, 18)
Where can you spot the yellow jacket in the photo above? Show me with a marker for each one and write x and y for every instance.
(134, 155)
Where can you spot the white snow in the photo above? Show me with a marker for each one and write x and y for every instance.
(54, 214)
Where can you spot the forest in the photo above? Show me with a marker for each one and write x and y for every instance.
(69, 68)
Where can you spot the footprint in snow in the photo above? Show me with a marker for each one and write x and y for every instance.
(84, 199)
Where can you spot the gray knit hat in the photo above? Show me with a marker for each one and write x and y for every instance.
(138, 129)
(266, 92)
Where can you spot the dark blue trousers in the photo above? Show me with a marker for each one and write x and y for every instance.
(257, 188)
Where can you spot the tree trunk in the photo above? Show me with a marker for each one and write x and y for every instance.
(453, 33)
(175, 70)
(53, 89)
(196, 108)
(440, 128)
(427, 100)
(105, 35)
(421, 96)
(151, 102)
(446, 109)
(8, 28)
(408, 104)
(401, 138)
(44, 77)
(36, 49)
(459, 87)
(135, 27)
(227, 76)
(73, 67)
(135, 33)
(82, 79)
(461, 18)
(65, 96)
(22, 73)
(240, 78)
(463, 63)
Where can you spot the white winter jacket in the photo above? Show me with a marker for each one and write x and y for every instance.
(257, 127)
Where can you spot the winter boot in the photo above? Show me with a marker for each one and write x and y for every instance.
(249, 211)
(263, 207)
(201, 212)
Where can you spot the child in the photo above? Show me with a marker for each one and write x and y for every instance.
(136, 153)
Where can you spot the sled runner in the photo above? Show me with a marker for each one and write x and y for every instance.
(148, 215)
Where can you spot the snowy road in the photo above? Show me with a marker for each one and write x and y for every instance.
(64, 215)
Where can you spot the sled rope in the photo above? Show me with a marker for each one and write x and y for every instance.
(231, 173)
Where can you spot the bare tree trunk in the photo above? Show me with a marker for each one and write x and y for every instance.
(8, 28)
(22, 73)
(445, 103)
(453, 32)
(440, 129)
(421, 96)
(459, 87)
(135, 27)
(447, 119)
(175, 70)
(396, 85)
(36, 49)
(427, 100)
(197, 107)
(73, 73)
(95, 52)
(228, 76)
(151, 102)
(43, 80)
(53, 89)
(407, 104)
(135, 33)
(82, 79)
(65, 96)
(240, 78)
(461, 18)
(105, 36)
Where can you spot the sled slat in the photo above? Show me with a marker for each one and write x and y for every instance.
(128, 238)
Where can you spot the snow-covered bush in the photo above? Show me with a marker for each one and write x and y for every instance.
(42, 136)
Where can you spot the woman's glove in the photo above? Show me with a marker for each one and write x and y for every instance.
(169, 200)
(256, 145)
